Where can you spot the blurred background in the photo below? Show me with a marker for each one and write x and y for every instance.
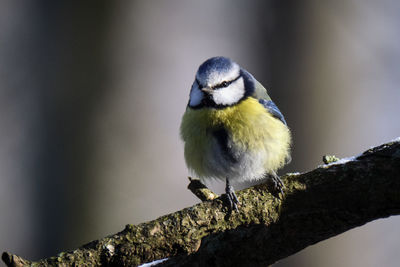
(91, 97)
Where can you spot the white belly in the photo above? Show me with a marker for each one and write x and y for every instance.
(248, 166)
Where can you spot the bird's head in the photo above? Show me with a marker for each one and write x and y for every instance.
(220, 82)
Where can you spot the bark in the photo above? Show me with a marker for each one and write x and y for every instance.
(316, 205)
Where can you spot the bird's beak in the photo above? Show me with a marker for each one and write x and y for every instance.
(207, 90)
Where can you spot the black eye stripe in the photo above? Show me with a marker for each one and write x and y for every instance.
(226, 83)
(198, 83)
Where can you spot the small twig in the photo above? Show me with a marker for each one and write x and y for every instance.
(13, 260)
(200, 190)
(329, 159)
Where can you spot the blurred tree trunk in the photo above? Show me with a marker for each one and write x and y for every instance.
(68, 63)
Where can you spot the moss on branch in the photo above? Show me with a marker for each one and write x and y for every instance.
(317, 205)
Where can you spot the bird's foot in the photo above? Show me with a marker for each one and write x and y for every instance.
(277, 184)
(231, 196)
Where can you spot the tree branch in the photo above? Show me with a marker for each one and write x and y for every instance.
(317, 205)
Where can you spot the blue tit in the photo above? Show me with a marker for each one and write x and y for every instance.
(231, 128)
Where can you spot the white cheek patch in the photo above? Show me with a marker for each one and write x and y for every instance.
(196, 95)
(231, 94)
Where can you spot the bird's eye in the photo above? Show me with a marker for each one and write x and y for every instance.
(224, 84)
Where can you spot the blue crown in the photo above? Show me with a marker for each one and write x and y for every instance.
(215, 64)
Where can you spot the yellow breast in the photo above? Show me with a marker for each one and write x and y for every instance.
(251, 128)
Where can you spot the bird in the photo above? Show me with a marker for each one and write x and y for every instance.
(232, 130)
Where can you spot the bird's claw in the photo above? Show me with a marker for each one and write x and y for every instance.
(232, 198)
(277, 184)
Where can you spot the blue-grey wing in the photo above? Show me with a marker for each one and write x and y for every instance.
(273, 109)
